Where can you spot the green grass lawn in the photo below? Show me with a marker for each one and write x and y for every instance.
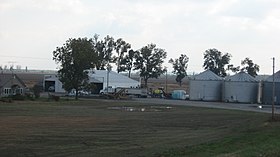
(123, 129)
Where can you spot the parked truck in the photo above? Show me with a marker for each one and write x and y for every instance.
(108, 90)
(139, 92)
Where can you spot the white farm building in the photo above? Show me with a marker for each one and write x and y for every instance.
(101, 78)
(52, 84)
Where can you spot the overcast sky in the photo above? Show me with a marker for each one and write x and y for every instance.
(31, 29)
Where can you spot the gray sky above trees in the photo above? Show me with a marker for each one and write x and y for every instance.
(31, 29)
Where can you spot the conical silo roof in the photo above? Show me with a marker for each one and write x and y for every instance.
(241, 77)
(276, 77)
(208, 75)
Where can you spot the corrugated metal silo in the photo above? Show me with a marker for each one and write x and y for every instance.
(206, 86)
(240, 87)
(267, 89)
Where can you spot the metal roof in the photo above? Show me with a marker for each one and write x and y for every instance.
(276, 77)
(99, 76)
(241, 77)
(208, 75)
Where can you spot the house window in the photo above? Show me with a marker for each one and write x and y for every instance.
(7, 91)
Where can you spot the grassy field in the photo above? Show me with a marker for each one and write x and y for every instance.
(123, 129)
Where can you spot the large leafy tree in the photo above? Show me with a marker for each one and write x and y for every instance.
(126, 64)
(104, 49)
(99, 49)
(232, 68)
(216, 61)
(249, 67)
(122, 47)
(75, 58)
(180, 66)
(149, 62)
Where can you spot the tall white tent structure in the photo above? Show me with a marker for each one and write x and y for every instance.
(240, 87)
(206, 86)
(112, 79)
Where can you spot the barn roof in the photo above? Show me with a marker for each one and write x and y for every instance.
(99, 76)
(241, 77)
(276, 77)
(208, 75)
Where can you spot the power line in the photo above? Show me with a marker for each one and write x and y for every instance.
(20, 57)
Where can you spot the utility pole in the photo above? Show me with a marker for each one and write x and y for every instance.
(273, 89)
(108, 72)
(166, 80)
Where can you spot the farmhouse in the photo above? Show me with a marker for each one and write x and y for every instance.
(11, 84)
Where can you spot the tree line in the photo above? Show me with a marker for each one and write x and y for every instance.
(78, 55)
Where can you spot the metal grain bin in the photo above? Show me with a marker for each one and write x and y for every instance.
(267, 89)
(241, 87)
(206, 86)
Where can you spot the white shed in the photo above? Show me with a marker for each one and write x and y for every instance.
(52, 84)
(240, 87)
(206, 86)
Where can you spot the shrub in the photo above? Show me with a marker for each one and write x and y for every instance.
(6, 99)
(55, 98)
(37, 90)
(18, 97)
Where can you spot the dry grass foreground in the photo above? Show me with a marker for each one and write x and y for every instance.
(107, 128)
